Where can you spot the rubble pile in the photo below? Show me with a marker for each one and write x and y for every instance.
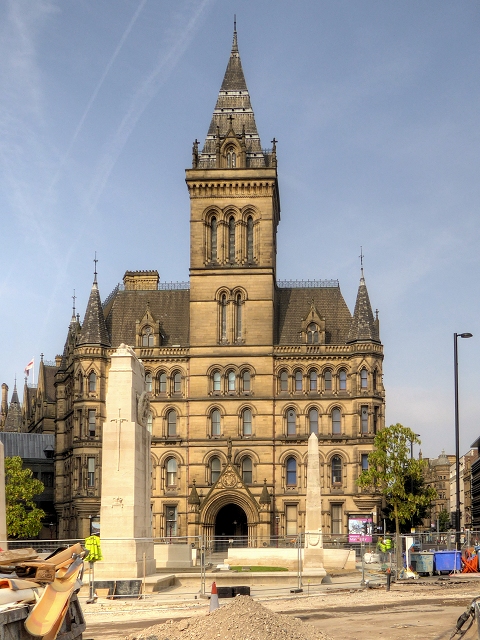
(240, 619)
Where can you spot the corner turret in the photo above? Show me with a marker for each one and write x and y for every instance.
(364, 327)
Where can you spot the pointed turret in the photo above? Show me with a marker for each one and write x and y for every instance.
(364, 327)
(233, 120)
(14, 415)
(94, 330)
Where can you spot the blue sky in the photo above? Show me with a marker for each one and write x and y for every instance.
(375, 106)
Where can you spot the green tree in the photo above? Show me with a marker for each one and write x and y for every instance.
(24, 518)
(444, 520)
(393, 473)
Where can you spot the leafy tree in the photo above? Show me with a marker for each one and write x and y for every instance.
(24, 518)
(391, 471)
(444, 520)
(416, 486)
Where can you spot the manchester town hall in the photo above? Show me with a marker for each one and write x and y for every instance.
(240, 368)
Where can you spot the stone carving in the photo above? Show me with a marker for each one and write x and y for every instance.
(229, 479)
(143, 408)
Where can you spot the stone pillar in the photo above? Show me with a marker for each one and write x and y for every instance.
(313, 551)
(125, 515)
(3, 517)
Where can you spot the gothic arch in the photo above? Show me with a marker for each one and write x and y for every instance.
(210, 508)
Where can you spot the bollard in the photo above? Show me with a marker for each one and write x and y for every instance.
(389, 577)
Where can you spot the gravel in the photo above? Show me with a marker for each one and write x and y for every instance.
(241, 619)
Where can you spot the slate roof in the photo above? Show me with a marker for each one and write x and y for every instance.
(364, 326)
(170, 307)
(294, 304)
(94, 330)
(27, 445)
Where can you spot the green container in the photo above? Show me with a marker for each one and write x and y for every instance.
(422, 562)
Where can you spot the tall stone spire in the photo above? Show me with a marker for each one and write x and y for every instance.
(233, 115)
(94, 330)
(364, 327)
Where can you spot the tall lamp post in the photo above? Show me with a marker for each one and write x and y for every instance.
(457, 437)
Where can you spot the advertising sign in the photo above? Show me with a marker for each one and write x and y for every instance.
(360, 527)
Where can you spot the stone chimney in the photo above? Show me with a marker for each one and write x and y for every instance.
(141, 280)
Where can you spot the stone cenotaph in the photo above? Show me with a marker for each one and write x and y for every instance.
(125, 520)
(313, 549)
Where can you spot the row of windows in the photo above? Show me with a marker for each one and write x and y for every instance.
(91, 382)
(228, 250)
(327, 381)
(164, 383)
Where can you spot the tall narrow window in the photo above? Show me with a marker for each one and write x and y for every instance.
(231, 380)
(215, 422)
(150, 422)
(177, 382)
(364, 418)
(342, 380)
(246, 381)
(313, 421)
(298, 381)
(162, 383)
(214, 469)
(148, 382)
(216, 381)
(313, 380)
(336, 470)
(213, 238)
(284, 381)
(247, 470)
(170, 521)
(312, 333)
(231, 239)
(250, 239)
(92, 382)
(223, 318)
(364, 462)
(231, 159)
(238, 319)
(247, 422)
(336, 514)
(92, 423)
(291, 422)
(336, 422)
(291, 520)
(80, 383)
(364, 379)
(90, 472)
(291, 466)
(327, 379)
(375, 419)
(172, 423)
(374, 380)
(171, 475)
(147, 337)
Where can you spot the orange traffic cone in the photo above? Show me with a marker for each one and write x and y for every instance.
(214, 604)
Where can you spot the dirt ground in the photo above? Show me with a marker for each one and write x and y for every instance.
(413, 610)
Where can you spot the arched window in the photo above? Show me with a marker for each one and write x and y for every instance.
(213, 238)
(342, 379)
(215, 422)
(291, 422)
(247, 470)
(177, 382)
(327, 380)
(298, 381)
(217, 381)
(312, 333)
(231, 159)
(313, 380)
(171, 468)
(162, 383)
(231, 380)
(231, 239)
(147, 337)
(291, 467)
(336, 470)
(214, 469)
(80, 383)
(249, 239)
(247, 422)
(238, 316)
(374, 379)
(246, 381)
(336, 422)
(150, 422)
(284, 381)
(172, 423)
(313, 421)
(364, 379)
(223, 318)
(92, 382)
(148, 382)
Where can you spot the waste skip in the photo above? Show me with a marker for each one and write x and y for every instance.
(422, 562)
(448, 561)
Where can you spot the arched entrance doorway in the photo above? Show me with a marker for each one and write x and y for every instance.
(230, 527)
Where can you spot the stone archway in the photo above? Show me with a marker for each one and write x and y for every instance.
(231, 527)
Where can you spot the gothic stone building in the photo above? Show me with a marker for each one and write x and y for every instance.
(240, 368)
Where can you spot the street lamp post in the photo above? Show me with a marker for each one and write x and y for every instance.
(457, 437)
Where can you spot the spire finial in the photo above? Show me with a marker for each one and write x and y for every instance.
(361, 256)
(95, 272)
(74, 297)
(235, 44)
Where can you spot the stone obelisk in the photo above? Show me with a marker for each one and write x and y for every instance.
(125, 521)
(3, 515)
(313, 550)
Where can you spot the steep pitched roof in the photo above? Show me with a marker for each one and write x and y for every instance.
(94, 330)
(233, 111)
(364, 327)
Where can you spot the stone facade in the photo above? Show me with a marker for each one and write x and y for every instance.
(240, 368)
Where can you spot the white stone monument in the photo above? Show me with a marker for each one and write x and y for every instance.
(3, 514)
(313, 550)
(125, 517)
